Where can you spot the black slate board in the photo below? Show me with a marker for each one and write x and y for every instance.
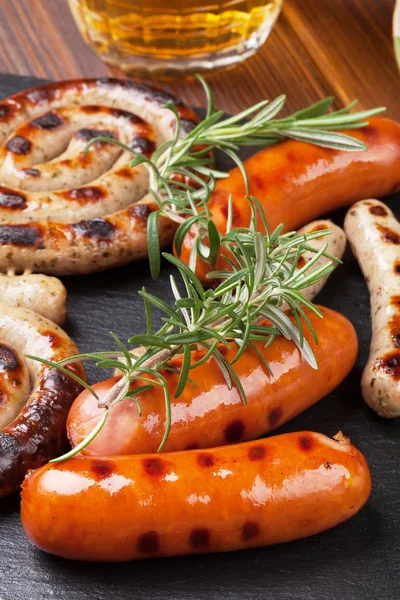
(357, 560)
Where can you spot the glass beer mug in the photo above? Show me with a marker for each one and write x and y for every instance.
(166, 36)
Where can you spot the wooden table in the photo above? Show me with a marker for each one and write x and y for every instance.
(318, 48)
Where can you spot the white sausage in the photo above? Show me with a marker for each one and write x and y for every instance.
(14, 383)
(374, 235)
(336, 242)
(39, 293)
(32, 420)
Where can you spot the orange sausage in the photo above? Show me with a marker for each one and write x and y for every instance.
(212, 414)
(252, 494)
(298, 182)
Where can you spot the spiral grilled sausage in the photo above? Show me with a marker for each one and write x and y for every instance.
(374, 235)
(62, 212)
(34, 400)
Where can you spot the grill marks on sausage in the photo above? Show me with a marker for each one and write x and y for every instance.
(125, 172)
(5, 110)
(250, 530)
(37, 95)
(50, 120)
(199, 538)
(54, 339)
(142, 145)
(102, 469)
(97, 228)
(390, 364)
(234, 432)
(305, 442)
(148, 543)
(32, 172)
(11, 200)
(8, 359)
(394, 327)
(236, 217)
(9, 450)
(274, 416)
(388, 235)
(86, 135)
(18, 145)
(321, 227)
(154, 466)
(192, 446)
(257, 452)
(370, 134)
(395, 300)
(187, 125)
(54, 379)
(133, 119)
(141, 211)
(301, 262)
(396, 338)
(378, 211)
(85, 194)
(21, 235)
(91, 109)
(394, 322)
(205, 460)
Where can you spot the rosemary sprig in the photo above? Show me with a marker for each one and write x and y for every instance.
(182, 175)
(248, 306)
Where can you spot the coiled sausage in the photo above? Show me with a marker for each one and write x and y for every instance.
(60, 213)
(34, 398)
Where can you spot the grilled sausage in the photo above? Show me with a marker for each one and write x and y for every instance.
(211, 414)
(14, 383)
(253, 494)
(31, 436)
(297, 182)
(54, 217)
(336, 244)
(374, 235)
(39, 293)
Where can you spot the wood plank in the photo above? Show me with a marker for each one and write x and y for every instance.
(281, 66)
(350, 42)
(39, 37)
(317, 48)
(56, 50)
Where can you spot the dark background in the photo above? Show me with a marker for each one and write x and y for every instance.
(357, 560)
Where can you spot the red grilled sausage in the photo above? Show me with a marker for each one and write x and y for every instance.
(211, 414)
(298, 182)
(253, 494)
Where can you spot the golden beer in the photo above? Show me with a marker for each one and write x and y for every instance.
(174, 35)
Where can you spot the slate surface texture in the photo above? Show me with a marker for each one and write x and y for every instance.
(359, 560)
